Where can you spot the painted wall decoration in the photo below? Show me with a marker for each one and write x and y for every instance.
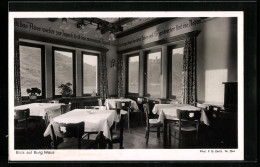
(168, 29)
(53, 30)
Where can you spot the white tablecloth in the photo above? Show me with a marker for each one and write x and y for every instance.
(95, 120)
(111, 103)
(39, 109)
(169, 111)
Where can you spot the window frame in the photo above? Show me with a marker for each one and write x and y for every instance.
(127, 74)
(42, 47)
(146, 70)
(170, 48)
(73, 69)
(82, 71)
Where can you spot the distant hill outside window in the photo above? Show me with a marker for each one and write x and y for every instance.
(90, 71)
(154, 74)
(133, 74)
(30, 68)
(63, 69)
(177, 67)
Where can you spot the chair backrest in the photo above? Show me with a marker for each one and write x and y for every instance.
(53, 101)
(124, 105)
(21, 114)
(213, 114)
(65, 108)
(186, 115)
(147, 112)
(190, 118)
(89, 107)
(174, 102)
(101, 102)
(63, 130)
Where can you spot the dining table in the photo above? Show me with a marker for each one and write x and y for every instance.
(95, 120)
(111, 103)
(39, 109)
(168, 113)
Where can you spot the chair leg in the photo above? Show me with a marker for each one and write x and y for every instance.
(158, 131)
(121, 145)
(115, 125)
(170, 135)
(180, 139)
(147, 138)
(110, 145)
(128, 122)
(141, 118)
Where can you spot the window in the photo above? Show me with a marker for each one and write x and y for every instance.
(153, 76)
(31, 67)
(64, 71)
(90, 73)
(133, 74)
(176, 64)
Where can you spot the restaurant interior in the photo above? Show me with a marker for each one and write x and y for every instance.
(125, 83)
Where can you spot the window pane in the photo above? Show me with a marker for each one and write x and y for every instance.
(177, 66)
(154, 74)
(63, 69)
(30, 68)
(89, 73)
(133, 65)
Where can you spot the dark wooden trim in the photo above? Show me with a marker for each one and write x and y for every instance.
(82, 69)
(58, 42)
(143, 26)
(127, 73)
(160, 42)
(73, 68)
(42, 65)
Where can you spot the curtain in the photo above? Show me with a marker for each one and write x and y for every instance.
(103, 91)
(189, 72)
(17, 84)
(120, 82)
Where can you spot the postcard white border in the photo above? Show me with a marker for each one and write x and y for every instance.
(129, 154)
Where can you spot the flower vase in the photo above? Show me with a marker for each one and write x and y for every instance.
(33, 97)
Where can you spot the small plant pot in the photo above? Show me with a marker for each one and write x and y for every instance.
(33, 97)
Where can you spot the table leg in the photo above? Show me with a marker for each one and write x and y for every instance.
(165, 133)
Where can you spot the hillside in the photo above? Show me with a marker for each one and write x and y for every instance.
(30, 69)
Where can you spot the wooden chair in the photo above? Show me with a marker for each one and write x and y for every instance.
(188, 123)
(124, 105)
(101, 102)
(139, 102)
(151, 106)
(118, 136)
(65, 108)
(151, 123)
(72, 135)
(21, 117)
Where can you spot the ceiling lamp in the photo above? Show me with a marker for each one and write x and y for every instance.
(64, 25)
(111, 37)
